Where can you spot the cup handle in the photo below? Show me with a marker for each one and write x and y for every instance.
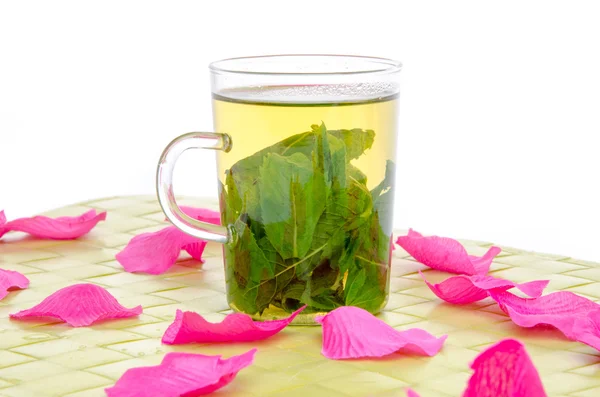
(164, 184)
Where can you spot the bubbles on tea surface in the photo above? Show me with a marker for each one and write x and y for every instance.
(313, 94)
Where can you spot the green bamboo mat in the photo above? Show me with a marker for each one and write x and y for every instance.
(57, 360)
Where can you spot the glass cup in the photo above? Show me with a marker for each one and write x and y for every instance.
(306, 152)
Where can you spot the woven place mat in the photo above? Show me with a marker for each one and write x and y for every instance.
(57, 360)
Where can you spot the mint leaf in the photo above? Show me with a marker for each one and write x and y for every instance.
(292, 199)
(231, 202)
(383, 198)
(357, 141)
(329, 156)
(326, 301)
(362, 292)
(387, 182)
(347, 208)
(241, 179)
(224, 204)
(356, 174)
(247, 267)
(322, 288)
(291, 296)
(347, 258)
(375, 242)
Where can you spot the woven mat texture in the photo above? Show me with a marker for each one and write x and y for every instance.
(41, 359)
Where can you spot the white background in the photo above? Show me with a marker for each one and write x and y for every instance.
(500, 108)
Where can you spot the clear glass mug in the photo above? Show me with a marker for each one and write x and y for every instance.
(306, 152)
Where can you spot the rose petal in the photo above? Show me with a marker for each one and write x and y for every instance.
(411, 393)
(351, 332)
(468, 289)
(588, 329)
(202, 214)
(61, 228)
(10, 279)
(559, 309)
(181, 374)
(156, 252)
(504, 370)
(195, 250)
(446, 254)
(79, 305)
(190, 327)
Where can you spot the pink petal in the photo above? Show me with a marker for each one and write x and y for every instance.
(559, 309)
(203, 214)
(195, 249)
(61, 228)
(191, 327)
(468, 289)
(10, 279)
(411, 393)
(588, 329)
(351, 332)
(79, 305)
(156, 252)
(181, 374)
(2, 218)
(504, 370)
(446, 254)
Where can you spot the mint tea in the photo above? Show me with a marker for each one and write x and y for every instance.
(308, 189)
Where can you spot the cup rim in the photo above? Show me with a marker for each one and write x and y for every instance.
(379, 65)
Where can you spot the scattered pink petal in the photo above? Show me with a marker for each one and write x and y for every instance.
(202, 214)
(190, 327)
(195, 249)
(61, 228)
(2, 218)
(504, 370)
(10, 280)
(468, 289)
(411, 393)
(446, 254)
(351, 332)
(559, 309)
(588, 329)
(156, 252)
(181, 374)
(79, 305)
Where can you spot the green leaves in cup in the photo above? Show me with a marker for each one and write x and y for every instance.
(308, 229)
(292, 199)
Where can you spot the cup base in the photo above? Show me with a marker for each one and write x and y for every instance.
(275, 313)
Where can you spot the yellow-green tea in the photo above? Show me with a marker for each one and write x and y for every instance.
(308, 189)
